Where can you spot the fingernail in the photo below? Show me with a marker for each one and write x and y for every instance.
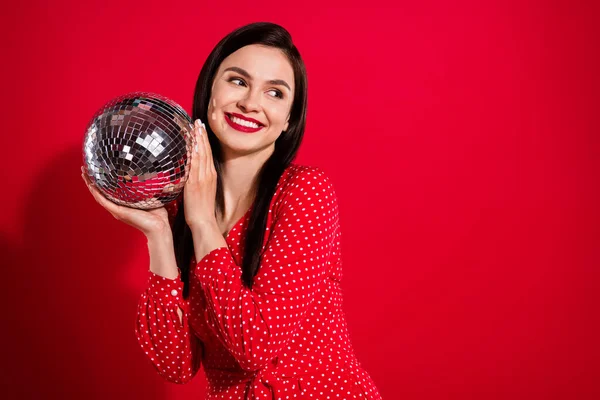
(196, 148)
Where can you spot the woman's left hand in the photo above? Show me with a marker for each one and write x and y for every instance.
(201, 187)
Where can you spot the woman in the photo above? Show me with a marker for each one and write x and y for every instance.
(261, 309)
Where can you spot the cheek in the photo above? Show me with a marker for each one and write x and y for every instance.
(279, 114)
(221, 95)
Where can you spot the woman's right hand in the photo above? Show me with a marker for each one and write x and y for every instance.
(150, 222)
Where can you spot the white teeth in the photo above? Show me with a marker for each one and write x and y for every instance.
(244, 122)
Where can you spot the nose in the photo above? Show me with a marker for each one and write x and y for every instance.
(250, 102)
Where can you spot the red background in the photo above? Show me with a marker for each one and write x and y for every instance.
(462, 138)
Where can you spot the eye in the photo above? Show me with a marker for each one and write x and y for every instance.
(278, 93)
(238, 80)
(235, 80)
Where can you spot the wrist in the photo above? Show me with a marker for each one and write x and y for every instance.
(206, 237)
(164, 235)
(203, 226)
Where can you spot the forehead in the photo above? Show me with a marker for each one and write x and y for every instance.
(262, 62)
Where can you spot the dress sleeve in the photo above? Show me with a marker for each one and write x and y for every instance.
(171, 347)
(255, 325)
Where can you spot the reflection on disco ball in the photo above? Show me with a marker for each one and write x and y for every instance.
(136, 150)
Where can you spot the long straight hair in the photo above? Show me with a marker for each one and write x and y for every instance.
(286, 145)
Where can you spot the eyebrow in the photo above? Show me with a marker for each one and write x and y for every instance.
(244, 73)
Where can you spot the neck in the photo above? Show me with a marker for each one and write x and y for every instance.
(239, 175)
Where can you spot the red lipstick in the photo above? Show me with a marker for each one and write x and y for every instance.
(242, 128)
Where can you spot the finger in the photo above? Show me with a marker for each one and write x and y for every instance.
(201, 151)
(208, 151)
(193, 172)
(85, 177)
(205, 161)
(202, 140)
(193, 137)
(111, 207)
(88, 181)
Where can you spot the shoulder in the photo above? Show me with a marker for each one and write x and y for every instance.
(297, 175)
(305, 183)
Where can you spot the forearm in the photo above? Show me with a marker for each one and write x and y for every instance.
(166, 339)
(162, 255)
(162, 258)
(206, 237)
(253, 324)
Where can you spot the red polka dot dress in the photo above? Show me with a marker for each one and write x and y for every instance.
(286, 338)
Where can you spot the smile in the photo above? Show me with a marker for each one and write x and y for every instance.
(242, 125)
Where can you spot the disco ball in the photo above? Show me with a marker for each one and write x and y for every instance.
(137, 150)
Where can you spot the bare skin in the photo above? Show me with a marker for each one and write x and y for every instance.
(258, 83)
(244, 85)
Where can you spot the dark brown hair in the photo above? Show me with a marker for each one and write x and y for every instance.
(286, 146)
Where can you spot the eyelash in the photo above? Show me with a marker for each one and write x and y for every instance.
(279, 93)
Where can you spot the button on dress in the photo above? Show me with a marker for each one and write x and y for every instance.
(287, 337)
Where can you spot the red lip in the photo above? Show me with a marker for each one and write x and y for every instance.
(240, 127)
(246, 119)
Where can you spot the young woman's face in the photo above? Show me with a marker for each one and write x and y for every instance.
(252, 95)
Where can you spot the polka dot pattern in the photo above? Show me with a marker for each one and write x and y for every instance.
(287, 337)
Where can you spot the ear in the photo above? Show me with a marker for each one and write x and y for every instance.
(287, 124)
